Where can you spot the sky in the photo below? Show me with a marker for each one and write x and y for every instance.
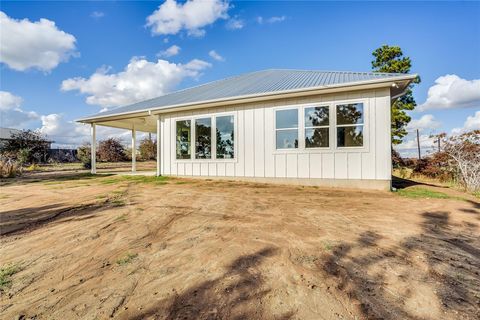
(61, 61)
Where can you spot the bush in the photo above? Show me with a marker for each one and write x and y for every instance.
(84, 155)
(148, 149)
(111, 150)
(9, 168)
(27, 146)
(437, 166)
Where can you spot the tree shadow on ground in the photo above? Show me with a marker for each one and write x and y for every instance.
(453, 270)
(237, 294)
(50, 177)
(29, 219)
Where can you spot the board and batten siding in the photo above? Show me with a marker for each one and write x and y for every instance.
(257, 157)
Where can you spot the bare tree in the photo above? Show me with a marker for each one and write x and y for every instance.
(464, 149)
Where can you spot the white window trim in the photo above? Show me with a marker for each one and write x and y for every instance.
(350, 125)
(213, 116)
(332, 128)
(317, 127)
(175, 137)
(285, 129)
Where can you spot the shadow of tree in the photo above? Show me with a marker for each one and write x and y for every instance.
(237, 294)
(453, 260)
(29, 219)
(400, 183)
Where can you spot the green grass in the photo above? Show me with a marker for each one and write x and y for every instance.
(136, 179)
(122, 217)
(419, 193)
(6, 273)
(129, 257)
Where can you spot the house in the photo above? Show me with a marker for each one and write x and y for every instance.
(290, 126)
(7, 133)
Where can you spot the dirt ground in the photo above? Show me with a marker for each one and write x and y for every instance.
(131, 248)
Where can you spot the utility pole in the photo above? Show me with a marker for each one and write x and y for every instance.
(418, 145)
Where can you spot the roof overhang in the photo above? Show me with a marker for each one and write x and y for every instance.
(398, 87)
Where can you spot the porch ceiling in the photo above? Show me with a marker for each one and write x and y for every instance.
(144, 124)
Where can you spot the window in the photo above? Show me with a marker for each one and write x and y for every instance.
(350, 125)
(225, 137)
(203, 138)
(316, 127)
(286, 129)
(183, 139)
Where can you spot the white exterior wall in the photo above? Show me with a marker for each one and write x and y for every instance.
(257, 157)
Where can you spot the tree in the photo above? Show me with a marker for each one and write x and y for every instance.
(27, 145)
(464, 149)
(111, 150)
(390, 59)
(148, 149)
(84, 155)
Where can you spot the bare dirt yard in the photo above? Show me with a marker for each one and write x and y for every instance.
(75, 246)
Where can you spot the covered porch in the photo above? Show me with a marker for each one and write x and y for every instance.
(145, 123)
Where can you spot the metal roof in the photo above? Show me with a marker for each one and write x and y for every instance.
(6, 133)
(255, 83)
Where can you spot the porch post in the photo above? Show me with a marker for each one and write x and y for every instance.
(93, 150)
(134, 149)
(159, 141)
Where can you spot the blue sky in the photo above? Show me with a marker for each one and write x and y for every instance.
(442, 38)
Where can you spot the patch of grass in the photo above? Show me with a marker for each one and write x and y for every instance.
(136, 179)
(327, 246)
(6, 273)
(417, 193)
(122, 217)
(129, 257)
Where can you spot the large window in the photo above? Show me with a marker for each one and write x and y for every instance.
(203, 138)
(316, 127)
(286, 129)
(225, 137)
(350, 124)
(183, 139)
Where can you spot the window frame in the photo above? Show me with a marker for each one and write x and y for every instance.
(350, 125)
(213, 116)
(175, 137)
(285, 108)
(194, 127)
(317, 127)
(331, 103)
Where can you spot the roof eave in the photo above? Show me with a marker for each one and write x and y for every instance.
(377, 83)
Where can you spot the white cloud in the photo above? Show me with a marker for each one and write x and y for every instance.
(140, 80)
(169, 52)
(235, 24)
(409, 147)
(172, 17)
(426, 122)
(216, 56)
(472, 123)
(40, 45)
(451, 91)
(11, 113)
(97, 14)
(271, 20)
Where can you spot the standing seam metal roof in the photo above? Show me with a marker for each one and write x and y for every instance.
(255, 83)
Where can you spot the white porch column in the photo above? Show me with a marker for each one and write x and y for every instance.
(93, 150)
(159, 139)
(134, 149)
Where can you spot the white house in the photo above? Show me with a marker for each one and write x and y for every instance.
(288, 126)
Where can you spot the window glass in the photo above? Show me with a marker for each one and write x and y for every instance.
(287, 119)
(350, 113)
(316, 137)
(287, 139)
(203, 138)
(183, 138)
(286, 122)
(225, 137)
(350, 136)
(316, 116)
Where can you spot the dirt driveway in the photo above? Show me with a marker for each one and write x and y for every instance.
(84, 247)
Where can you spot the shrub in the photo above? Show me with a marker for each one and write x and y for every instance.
(397, 160)
(9, 168)
(111, 150)
(437, 166)
(30, 146)
(148, 149)
(84, 155)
